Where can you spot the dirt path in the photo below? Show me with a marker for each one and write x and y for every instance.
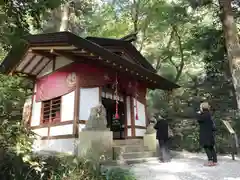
(188, 168)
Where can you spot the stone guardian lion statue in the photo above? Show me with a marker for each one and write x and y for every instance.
(97, 119)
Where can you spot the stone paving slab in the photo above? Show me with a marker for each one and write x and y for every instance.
(188, 168)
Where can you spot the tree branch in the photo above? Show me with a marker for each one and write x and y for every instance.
(135, 14)
(180, 68)
(172, 62)
(160, 59)
(146, 23)
(167, 47)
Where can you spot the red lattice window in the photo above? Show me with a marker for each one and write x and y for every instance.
(51, 110)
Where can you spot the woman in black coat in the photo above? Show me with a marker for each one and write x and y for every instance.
(162, 136)
(207, 133)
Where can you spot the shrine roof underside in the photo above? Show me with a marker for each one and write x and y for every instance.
(30, 58)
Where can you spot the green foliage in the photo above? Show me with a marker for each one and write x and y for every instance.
(16, 167)
(205, 76)
(79, 11)
(184, 44)
(191, 140)
(15, 140)
(198, 3)
(57, 167)
(17, 17)
(119, 174)
(75, 169)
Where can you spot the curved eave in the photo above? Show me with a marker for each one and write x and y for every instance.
(15, 54)
(128, 46)
(68, 43)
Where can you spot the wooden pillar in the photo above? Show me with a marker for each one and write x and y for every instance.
(146, 114)
(100, 94)
(31, 111)
(145, 107)
(53, 59)
(76, 108)
(125, 117)
(133, 129)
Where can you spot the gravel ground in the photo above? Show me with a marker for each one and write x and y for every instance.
(188, 168)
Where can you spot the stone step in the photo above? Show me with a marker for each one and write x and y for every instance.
(135, 155)
(122, 163)
(140, 160)
(130, 148)
(134, 148)
(128, 142)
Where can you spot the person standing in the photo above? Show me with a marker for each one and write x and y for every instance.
(207, 133)
(162, 136)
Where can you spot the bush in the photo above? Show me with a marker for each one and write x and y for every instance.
(119, 174)
(84, 169)
(57, 168)
(17, 162)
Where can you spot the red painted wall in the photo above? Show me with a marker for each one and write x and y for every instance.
(63, 81)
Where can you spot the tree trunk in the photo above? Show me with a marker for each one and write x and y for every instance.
(232, 44)
(65, 17)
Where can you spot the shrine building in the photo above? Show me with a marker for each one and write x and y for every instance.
(74, 74)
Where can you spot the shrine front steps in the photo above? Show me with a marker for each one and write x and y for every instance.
(128, 142)
(132, 151)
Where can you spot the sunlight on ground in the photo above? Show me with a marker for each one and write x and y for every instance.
(168, 177)
(188, 168)
(172, 167)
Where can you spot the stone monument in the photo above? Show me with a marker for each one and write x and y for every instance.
(149, 138)
(96, 140)
(97, 119)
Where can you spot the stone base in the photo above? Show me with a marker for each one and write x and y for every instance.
(150, 141)
(95, 144)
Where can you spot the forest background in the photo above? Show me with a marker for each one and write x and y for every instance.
(186, 41)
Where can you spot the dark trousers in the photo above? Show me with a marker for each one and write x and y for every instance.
(164, 151)
(211, 153)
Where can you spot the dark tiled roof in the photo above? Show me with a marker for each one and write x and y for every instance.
(127, 46)
(67, 38)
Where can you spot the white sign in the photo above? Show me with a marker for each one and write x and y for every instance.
(229, 127)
